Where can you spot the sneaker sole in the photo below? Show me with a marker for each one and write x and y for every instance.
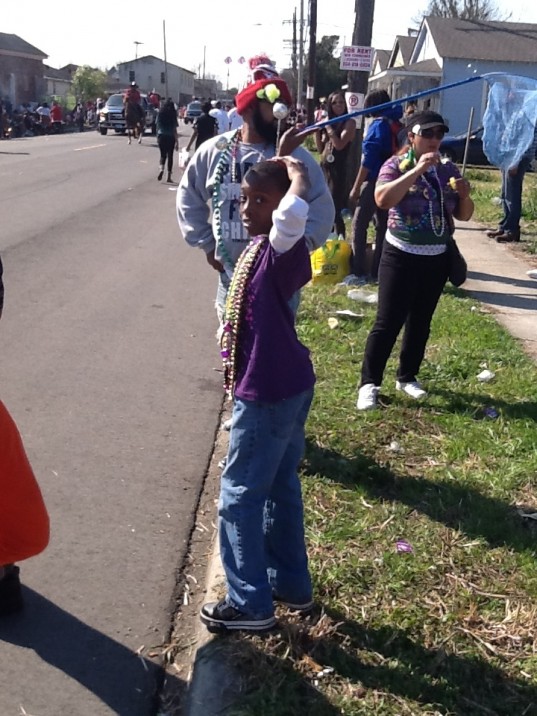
(216, 625)
(302, 609)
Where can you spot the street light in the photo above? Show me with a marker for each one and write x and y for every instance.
(136, 43)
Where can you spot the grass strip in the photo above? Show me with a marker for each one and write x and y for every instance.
(448, 627)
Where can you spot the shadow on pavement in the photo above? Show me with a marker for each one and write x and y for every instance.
(111, 671)
(519, 283)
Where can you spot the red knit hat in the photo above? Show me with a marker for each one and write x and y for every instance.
(262, 74)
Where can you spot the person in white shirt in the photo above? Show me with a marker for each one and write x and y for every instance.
(221, 117)
(235, 120)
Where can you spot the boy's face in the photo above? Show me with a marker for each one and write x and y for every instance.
(257, 202)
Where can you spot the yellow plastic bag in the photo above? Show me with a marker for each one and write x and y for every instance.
(331, 263)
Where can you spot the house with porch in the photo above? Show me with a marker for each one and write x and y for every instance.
(448, 50)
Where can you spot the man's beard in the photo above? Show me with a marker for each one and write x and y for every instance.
(267, 130)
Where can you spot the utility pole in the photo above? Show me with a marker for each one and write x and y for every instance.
(310, 91)
(300, 73)
(357, 81)
(165, 59)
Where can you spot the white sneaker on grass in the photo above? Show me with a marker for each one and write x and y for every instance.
(412, 388)
(368, 397)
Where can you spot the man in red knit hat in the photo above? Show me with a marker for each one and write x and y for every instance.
(215, 172)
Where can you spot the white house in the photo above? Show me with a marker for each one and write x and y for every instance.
(447, 50)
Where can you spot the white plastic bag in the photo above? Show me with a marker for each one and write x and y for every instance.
(184, 158)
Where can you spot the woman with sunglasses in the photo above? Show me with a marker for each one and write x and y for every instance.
(422, 195)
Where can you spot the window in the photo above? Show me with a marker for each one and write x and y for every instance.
(131, 76)
(162, 78)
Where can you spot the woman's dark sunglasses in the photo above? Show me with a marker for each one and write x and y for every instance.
(432, 133)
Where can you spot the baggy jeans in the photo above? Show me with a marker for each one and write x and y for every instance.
(261, 518)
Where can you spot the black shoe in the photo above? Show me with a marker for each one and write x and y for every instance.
(161, 172)
(10, 592)
(493, 233)
(221, 616)
(303, 608)
(508, 237)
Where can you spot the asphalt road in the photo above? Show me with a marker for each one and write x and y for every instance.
(110, 368)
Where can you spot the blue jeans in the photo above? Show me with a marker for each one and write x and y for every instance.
(261, 518)
(512, 198)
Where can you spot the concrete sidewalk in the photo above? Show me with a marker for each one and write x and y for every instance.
(497, 277)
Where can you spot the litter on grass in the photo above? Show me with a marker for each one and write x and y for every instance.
(394, 446)
(333, 323)
(485, 376)
(403, 546)
(490, 412)
(356, 294)
(349, 314)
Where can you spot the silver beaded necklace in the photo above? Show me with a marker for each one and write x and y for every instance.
(441, 199)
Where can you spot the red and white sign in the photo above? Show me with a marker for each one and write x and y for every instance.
(355, 100)
(356, 58)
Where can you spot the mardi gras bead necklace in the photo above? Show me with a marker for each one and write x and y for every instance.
(229, 157)
(235, 311)
(229, 149)
(408, 161)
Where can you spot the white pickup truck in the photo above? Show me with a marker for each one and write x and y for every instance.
(112, 115)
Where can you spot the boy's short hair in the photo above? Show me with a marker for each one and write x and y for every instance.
(270, 172)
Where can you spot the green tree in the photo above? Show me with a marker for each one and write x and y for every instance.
(89, 83)
(328, 76)
(463, 9)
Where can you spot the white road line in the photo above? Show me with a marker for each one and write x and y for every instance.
(93, 146)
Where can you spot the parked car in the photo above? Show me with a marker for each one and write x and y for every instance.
(193, 111)
(112, 115)
(453, 148)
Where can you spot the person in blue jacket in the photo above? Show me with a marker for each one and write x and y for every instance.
(380, 143)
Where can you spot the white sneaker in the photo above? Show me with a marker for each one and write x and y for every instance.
(368, 397)
(413, 389)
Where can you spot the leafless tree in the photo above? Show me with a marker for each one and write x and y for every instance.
(464, 9)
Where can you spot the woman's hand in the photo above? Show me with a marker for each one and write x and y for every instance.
(426, 162)
(461, 186)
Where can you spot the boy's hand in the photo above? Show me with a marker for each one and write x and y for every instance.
(298, 174)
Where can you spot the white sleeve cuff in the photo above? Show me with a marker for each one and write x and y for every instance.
(288, 223)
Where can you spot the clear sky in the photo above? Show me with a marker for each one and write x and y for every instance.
(103, 35)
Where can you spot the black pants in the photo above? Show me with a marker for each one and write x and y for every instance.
(361, 220)
(410, 286)
(166, 144)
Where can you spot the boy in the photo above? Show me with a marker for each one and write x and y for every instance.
(269, 374)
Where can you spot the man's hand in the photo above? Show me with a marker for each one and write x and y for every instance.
(214, 263)
(290, 141)
(354, 196)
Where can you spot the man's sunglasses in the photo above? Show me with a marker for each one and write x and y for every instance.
(432, 133)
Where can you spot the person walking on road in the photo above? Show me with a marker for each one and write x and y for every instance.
(214, 175)
(167, 137)
(269, 374)
(204, 127)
